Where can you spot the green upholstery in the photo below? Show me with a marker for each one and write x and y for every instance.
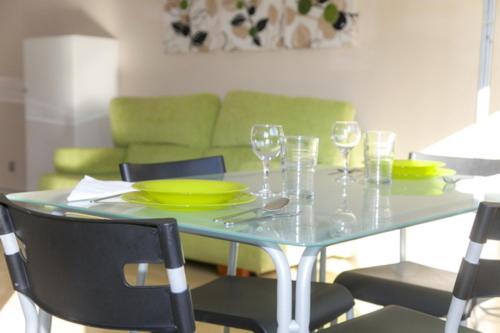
(237, 158)
(215, 251)
(88, 160)
(180, 120)
(53, 181)
(298, 115)
(151, 153)
(159, 129)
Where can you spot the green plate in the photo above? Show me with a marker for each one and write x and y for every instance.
(440, 172)
(416, 168)
(190, 191)
(143, 198)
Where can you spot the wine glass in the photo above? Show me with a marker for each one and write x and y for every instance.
(267, 142)
(346, 135)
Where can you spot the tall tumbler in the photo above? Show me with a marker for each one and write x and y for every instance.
(299, 164)
(379, 156)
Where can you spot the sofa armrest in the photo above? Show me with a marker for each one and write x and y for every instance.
(88, 160)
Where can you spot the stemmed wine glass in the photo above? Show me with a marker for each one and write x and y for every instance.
(267, 142)
(346, 135)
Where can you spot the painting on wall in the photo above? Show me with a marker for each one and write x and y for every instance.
(192, 26)
(231, 25)
(317, 23)
(252, 24)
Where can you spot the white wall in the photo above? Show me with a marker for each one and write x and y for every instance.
(414, 69)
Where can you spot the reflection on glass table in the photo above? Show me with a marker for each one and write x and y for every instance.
(338, 213)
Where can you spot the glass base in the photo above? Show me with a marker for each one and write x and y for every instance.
(267, 194)
(344, 179)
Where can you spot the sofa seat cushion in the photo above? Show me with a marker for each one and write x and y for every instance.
(55, 181)
(237, 158)
(148, 153)
(216, 251)
(298, 115)
(180, 120)
(88, 160)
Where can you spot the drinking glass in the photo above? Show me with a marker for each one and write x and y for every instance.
(346, 135)
(267, 144)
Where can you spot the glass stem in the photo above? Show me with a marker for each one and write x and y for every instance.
(265, 179)
(345, 152)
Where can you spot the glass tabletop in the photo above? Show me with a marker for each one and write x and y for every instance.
(337, 213)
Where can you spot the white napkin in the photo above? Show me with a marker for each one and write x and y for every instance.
(90, 189)
(483, 188)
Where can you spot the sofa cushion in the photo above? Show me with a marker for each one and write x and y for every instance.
(215, 251)
(181, 120)
(236, 158)
(298, 115)
(54, 181)
(88, 160)
(149, 153)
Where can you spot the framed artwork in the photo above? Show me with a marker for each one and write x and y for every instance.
(231, 25)
(192, 26)
(251, 24)
(317, 23)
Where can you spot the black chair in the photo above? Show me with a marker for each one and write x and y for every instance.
(477, 278)
(409, 284)
(246, 303)
(134, 172)
(73, 269)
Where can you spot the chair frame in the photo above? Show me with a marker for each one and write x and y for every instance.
(38, 320)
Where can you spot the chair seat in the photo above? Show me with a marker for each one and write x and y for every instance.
(393, 319)
(406, 284)
(250, 303)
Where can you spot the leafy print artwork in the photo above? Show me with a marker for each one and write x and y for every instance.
(192, 25)
(318, 23)
(251, 24)
(209, 25)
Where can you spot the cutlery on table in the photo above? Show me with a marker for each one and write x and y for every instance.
(230, 223)
(269, 207)
(351, 170)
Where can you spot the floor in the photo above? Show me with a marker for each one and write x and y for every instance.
(486, 318)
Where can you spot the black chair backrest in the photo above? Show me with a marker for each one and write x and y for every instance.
(73, 269)
(477, 277)
(463, 165)
(133, 172)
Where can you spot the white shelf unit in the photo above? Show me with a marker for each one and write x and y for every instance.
(69, 82)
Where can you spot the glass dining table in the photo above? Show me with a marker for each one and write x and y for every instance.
(338, 212)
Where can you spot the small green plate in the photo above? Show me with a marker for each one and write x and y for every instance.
(190, 191)
(439, 172)
(415, 168)
(143, 198)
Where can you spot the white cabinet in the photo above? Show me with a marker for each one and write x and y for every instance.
(69, 82)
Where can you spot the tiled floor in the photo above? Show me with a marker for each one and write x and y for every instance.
(11, 319)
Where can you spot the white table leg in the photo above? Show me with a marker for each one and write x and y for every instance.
(402, 245)
(303, 289)
(142, 272)
(284, 294)
(30, 314)
(232, 267)
(322, 265)
(232, 264)
(44, 321)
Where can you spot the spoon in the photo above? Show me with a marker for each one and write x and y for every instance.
(271, 206)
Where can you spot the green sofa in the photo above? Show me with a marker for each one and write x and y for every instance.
(158, 129)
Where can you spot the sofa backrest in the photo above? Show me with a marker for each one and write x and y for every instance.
(298, 115)
(186, 121)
